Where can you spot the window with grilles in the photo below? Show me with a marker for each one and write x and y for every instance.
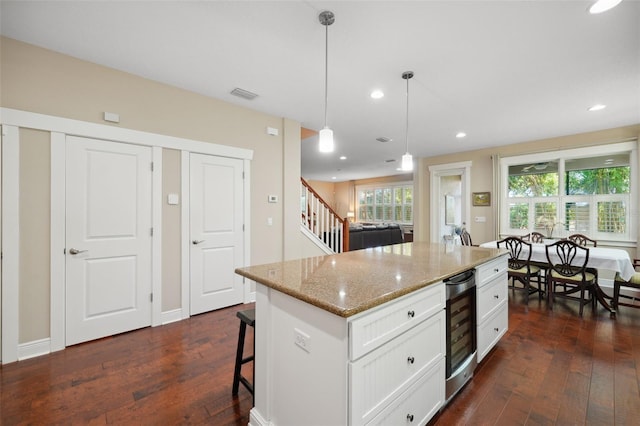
(393, 203)
(563, 193)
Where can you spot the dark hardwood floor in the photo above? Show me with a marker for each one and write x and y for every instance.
(550, 368)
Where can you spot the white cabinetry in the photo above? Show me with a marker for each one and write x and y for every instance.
(399, 347)
(385, 365)
(492, 307)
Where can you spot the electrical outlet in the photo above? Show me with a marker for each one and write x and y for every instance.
(302, 340)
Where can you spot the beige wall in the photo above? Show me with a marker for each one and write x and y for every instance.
(171, 217)
(35, 196)
(482, 175)
(41, 81)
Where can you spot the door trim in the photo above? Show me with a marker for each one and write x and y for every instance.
(462, 169)
(11, 121)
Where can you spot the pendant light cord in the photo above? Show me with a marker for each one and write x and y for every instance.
(407, 133)
(326, 72)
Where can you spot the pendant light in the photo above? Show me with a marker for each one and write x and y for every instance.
(326, 134)
(407, 159)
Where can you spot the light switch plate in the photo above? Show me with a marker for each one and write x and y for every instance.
(173, 199)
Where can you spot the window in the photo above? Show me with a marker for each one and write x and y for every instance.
(569, 192)
(392, 203)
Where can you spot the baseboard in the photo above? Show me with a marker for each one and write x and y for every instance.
(255, 419)
(34, 348)
(171, 316)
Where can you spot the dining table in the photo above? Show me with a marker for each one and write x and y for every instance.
(613, 259)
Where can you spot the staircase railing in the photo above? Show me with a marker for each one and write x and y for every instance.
(321, 220)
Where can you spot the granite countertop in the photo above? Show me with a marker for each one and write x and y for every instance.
(352, 282)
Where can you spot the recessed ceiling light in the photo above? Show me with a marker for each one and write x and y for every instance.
(603, 5)
(333, 177)
(384, 139)
(343, 158)
(460, 135)
(377, 94)
(390, 160)
(399, 169)
(597, 107)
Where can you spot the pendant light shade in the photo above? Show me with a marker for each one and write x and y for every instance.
(407, 162)
(407, 159)
(326, 134)
(326, 140)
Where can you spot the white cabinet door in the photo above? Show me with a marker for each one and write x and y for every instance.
(382, 375)
(108, 238)
(216, 221)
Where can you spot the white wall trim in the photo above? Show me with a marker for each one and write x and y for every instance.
(69, 126)
(185, 234)
(33, 349)
(156, 241)
(463, 169)
(10, 242)
(58, 242)
(173, 315)
(249, 296)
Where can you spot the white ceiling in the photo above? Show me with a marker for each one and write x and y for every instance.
(501, 71)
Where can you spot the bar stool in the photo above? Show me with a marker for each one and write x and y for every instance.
(247, 317)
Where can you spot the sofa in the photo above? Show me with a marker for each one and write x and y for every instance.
(366, 235)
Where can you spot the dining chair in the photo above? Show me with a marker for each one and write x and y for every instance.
(582, 240)
(536, 237)
(568, 274)
(633, 283)
(465, 237)
(519, 267)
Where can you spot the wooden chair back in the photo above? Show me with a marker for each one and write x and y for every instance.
(536, 237)
(519, 252)
(465, 237)
(582, 240)
(573, 258)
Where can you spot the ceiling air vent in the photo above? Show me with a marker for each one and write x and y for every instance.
(244, 94)
(384, 139)
(390, 160)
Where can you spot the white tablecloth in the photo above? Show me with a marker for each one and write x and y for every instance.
(617, 260)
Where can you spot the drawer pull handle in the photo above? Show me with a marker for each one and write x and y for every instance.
(411, 314)
(411, 360)
(496, 296)
(410, 417)
(496, 329)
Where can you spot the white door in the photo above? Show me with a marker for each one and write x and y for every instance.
(216, 221)
(108, 238)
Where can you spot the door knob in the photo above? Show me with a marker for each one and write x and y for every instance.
(75, 251)
(197, 242)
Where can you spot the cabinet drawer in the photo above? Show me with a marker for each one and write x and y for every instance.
(381, 376)
(419, 403)
(491, 295)
(374, 329)
(490, 332)
(487, 271)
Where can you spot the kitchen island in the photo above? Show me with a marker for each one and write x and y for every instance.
(358, 338)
